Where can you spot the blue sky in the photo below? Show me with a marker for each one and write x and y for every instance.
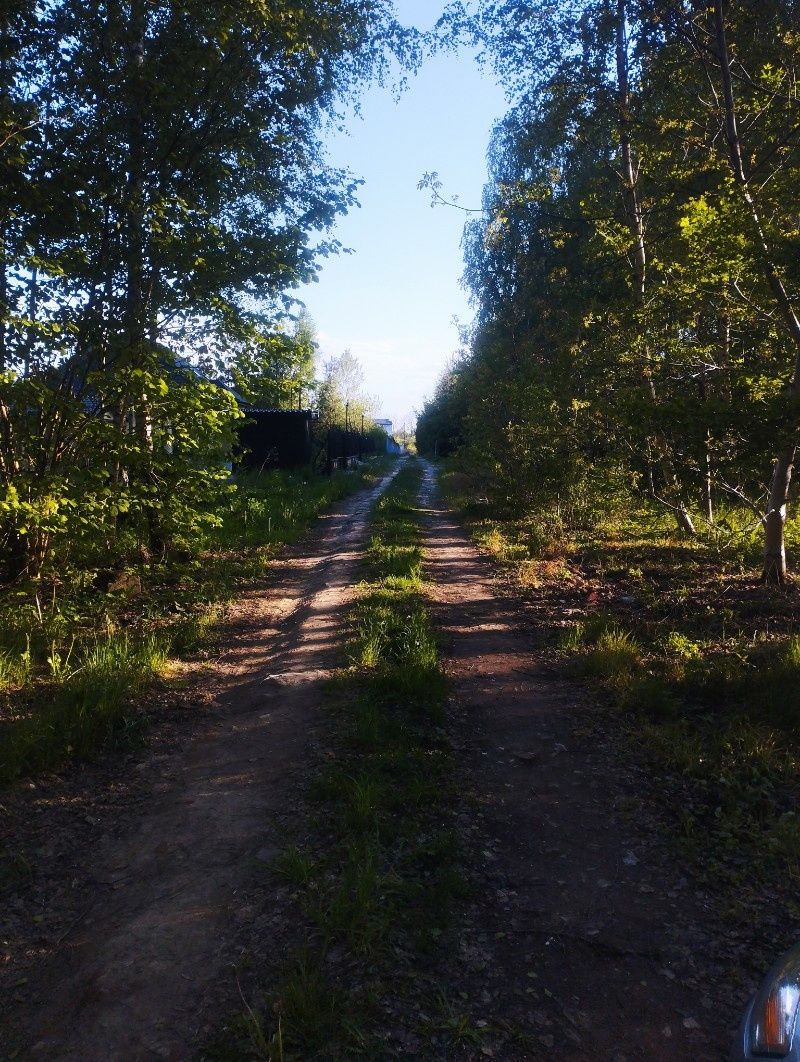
(393, 300)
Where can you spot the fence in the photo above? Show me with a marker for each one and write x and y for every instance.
(276, 438)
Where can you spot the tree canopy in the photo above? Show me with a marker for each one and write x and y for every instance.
(635, 266)
(163, 188)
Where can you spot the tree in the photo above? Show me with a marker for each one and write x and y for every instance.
(631, 265)
(165, 190)
(276, 370)
(770, 85)
(341, 396)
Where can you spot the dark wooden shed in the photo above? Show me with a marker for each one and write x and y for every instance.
(275, 438)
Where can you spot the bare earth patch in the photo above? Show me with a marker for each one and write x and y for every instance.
(586, 936)
(131, 884)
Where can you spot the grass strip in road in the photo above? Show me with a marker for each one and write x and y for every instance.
(380, 881)
(73, 666)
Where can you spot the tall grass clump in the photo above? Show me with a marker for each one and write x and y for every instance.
(616, 654)
(89, 702)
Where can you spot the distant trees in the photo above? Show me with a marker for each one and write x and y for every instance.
(442, 422)
(341, 395)
(276, 370)
(162, 186)
(636, 267)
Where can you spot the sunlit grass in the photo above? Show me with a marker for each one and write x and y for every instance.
(88, 702)
(68, 676)
(15, 669)
(615, 654)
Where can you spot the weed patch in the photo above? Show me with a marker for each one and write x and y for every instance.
(615, 655)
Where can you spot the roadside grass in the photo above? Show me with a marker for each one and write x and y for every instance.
(83, 706)
(76, 655)
(383, 881)
(699, 666)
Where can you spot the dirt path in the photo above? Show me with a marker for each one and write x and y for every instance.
(165, 886)
(586, 938)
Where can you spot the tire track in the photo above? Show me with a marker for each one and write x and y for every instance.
(138, 975)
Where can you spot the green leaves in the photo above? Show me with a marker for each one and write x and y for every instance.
(626, 279)
(164, 187)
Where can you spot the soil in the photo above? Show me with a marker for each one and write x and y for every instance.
(587, 938)
(138, 877)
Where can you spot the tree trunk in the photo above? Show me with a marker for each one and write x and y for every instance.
(135, 315)
(775, 518)
(3, 300)
(708, 485)
(137, 296)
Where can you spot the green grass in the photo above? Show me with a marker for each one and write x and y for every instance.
(385, 877)
(85, 704)
(615, 655)
(73, 662)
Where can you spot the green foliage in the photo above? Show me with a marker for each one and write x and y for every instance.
(144, 258)
(635, 294)
(89, 703)
(69, 677)
(276, 370)
(121, 496)
(615, 655)
(341, 398)
(679, 645)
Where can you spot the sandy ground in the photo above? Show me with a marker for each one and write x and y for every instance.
(144, 888)
(586, 937)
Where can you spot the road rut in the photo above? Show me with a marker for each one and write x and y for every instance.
(586, 938)
(138, 974)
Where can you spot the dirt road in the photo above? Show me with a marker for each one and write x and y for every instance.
(586, 938)
(164, 878)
